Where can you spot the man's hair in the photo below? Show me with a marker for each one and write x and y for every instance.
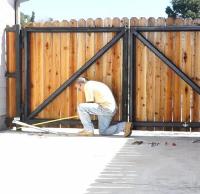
(81, 80)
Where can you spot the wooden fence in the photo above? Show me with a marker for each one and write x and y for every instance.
(160, 94)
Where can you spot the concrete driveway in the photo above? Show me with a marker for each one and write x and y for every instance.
(50, 164)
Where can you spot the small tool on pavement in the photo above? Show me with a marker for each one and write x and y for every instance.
(34, 126)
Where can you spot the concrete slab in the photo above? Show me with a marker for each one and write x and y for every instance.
(37, 163)
(160, 165)
(52, 164)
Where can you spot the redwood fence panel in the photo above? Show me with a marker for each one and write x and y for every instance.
(55, 56)
(161, 96)
(156, 94)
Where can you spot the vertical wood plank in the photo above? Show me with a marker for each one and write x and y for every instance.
(107, 64)
(189, 68)
(64, 71)
(11, 54)
(73, 68)
(38, 71)
(48, 60)
(186, 53)
(163, 73)
(11, 68)
(117, 70)
(81, 57)
(98, 38)
(196, 73)
(90, 48)
(141, 58)
(177, 82)
(56, 104)
(168, 74)
(150, 75)
(158, 80)
(11, 97)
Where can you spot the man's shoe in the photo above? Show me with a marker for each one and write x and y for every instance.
(81, 131)
(127, 129)
(86, 133)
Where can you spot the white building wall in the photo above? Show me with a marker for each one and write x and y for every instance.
(7, 17)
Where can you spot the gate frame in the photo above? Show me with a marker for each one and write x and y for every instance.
(136, 33)
(27, 116)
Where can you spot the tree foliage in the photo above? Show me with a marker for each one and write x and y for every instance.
(184, 9)
(26, 18)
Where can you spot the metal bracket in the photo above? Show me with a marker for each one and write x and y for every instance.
(185, 124)
(7, 74)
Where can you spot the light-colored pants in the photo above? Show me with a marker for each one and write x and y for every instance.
(104, 119)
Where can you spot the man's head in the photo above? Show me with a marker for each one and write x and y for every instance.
(80, 83)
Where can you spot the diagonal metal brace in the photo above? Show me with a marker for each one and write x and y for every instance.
(167, 61)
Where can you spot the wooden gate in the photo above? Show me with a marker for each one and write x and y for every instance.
(165, 72)
(55, 54)
(152, 66)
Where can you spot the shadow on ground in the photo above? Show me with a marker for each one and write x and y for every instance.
(152, 165)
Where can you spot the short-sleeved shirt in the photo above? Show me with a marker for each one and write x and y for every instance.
(99, 93)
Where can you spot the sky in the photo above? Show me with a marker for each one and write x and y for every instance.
(77, 9)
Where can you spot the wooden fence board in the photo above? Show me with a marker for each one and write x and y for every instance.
(48, 63)
(55, 105)
(169, 50)
(184, 86)
(11, 82)
(117, 70)
(36, 71)
(188, 70)
(139, 79)
(65, 55)
(81, 57)
(107, 69)
(158, 73)
(196, 74)
(90, 49)
(177, 81)
(11, 97)
(98, 39)
(73, 68)
(150, 75)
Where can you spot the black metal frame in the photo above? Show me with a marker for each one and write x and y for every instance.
(17, 74)
(129, 70)
(120, 32)
(136, 33)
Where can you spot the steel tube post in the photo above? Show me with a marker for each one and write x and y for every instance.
(26, 73)
(125, 82)
(132, 73)
(18, 71)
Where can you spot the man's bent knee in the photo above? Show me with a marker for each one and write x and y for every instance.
(81, 107)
